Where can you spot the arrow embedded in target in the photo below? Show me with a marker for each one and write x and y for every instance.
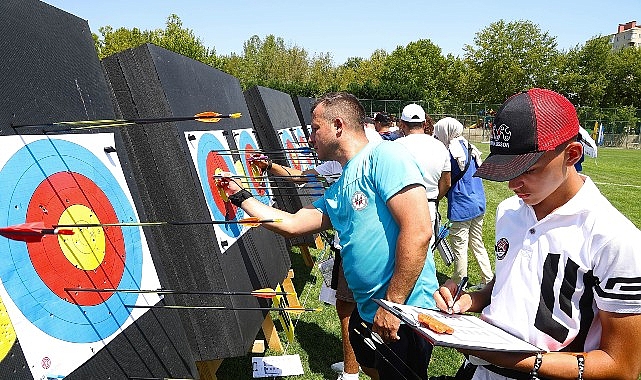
(204, 117)
(35, 231)
(292, 309)
(260, 293)
(32, 232)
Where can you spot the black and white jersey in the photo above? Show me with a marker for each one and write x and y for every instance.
(553, 275)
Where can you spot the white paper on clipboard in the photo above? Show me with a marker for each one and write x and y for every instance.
(470, 332)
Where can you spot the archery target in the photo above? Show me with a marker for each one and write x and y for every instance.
(211, 155)
(290, 145)
(69, 180)
(306, 155)
(257, 181)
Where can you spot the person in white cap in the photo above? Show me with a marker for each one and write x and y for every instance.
(430, 154)
(568, 264)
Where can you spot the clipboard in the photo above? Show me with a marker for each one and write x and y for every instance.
(470, 332)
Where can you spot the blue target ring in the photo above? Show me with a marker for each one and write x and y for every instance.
(209, 145)
(59, 318)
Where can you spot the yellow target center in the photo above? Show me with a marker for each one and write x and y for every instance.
(7, 332)
(85, 249)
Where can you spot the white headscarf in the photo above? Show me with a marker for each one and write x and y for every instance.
(448, 131)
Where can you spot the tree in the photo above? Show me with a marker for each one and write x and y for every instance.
(115, 41)
(412, 72)
(584, 74)
(458, 80)
(174, 37)
(512, 57)
(183, 41)
(361, 77)
(271, 63)
(624, 74)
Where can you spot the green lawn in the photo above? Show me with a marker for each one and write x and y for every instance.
(616, 172)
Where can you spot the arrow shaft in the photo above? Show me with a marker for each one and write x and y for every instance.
(174, 291)
(143, 224)
(105, 123)
(219, 308)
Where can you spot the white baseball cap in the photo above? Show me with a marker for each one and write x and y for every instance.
(413, 113)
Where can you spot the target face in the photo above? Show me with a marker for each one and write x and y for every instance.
(296, 148)
(59, 181)
(211, 155)
(258, 183)
(306, 157)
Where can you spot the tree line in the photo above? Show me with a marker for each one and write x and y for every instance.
(504, 58)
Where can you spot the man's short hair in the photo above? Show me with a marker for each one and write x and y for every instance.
(343, 105)
(413, 125)
(383, 118)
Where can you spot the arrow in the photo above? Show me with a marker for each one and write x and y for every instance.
(311, 176)
(250, 222)
(204, 117)
(443, 231)
(261, 293)
(299, 309)
(31, 232)
(302, 150)
(35, 231)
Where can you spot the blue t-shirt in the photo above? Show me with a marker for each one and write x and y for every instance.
(357, 207)
(466, 198)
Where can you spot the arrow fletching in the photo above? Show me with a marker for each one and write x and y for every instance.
(31, 232)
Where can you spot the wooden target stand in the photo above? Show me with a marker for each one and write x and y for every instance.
(207, 368)
(304, 250)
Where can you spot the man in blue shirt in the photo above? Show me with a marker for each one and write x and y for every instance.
(379, 209)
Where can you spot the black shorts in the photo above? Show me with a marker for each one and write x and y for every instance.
(339, 283)
(408, 356)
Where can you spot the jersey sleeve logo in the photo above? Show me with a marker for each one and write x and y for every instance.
(359, 201)
(621, 288)
(501, 247)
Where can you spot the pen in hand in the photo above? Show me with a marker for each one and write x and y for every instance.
(459, 289)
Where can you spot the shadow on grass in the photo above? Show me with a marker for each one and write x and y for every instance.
(322, 348)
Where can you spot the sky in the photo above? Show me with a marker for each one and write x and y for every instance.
(345, 28)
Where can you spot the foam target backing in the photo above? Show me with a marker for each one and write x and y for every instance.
(51, 73)
(279, 129)
(303, 106)
(175, 165)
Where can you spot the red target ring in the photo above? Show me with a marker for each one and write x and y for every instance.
(50, 200)
(257, 180)
(293, 158)
(214, 163)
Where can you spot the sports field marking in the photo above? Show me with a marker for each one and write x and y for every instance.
(617, 184)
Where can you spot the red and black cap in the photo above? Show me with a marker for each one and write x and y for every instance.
(526, 126)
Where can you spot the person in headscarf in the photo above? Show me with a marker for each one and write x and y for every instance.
(465, 200)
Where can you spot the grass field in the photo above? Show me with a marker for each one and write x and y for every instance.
(616, 172)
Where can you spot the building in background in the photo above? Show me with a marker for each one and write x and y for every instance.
(628, 34)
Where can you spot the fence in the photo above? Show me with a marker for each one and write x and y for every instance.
(621, 127)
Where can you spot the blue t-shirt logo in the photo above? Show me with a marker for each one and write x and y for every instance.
(359, 201)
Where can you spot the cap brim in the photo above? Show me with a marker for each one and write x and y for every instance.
(504, 167)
